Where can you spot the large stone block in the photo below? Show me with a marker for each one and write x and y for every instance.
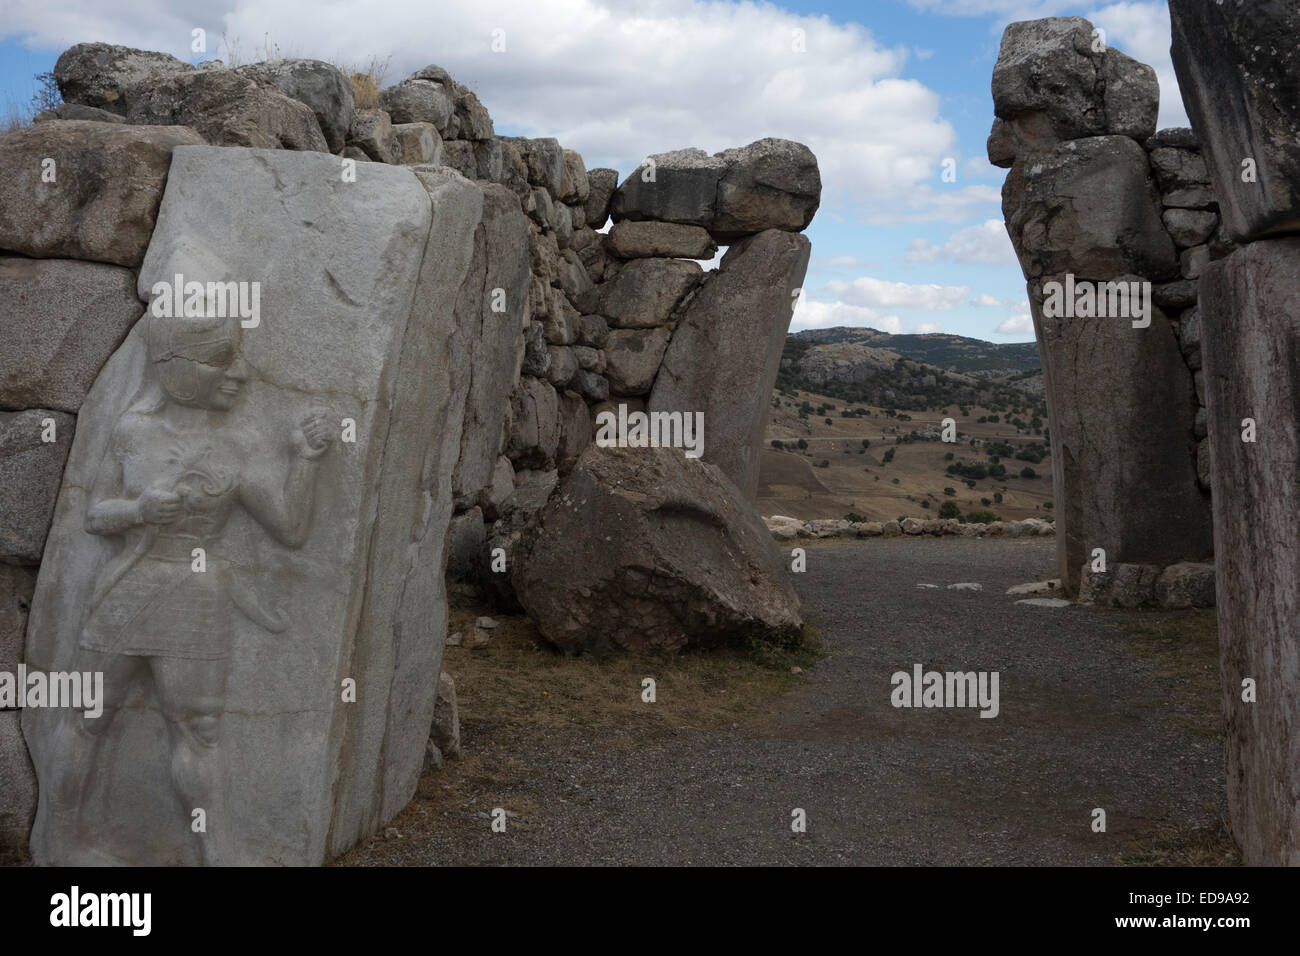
(426, 96)
(110, 77)
(1089, 207)
(1250, 327)
(16, 586)
(109, 179)
(61, 320)
(287, 687)
(17, 787)
(534, 424)
(769, 184)
(726, 350)
(227, 109)
(1122, 411)
(1059, 70)
(632, 358)
(321, 86)
(34, 445)
(641, 548)
(489, 344)
(1235, 61)
(645, 293)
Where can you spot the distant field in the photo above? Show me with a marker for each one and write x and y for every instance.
(857, 481)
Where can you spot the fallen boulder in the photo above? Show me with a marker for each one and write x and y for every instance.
(642, 548)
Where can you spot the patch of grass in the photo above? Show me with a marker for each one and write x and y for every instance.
(1210, 844)
(519, 679)
(367, 80)
(1183, 648)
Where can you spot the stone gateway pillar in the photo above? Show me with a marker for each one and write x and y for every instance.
(248, 540)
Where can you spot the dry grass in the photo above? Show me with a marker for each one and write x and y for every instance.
(1183, 649)
(1208, 845)
(367, 80)
(15, 115)
(518, 679)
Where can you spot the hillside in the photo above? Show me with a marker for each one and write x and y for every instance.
(950, 352)
(855, 420)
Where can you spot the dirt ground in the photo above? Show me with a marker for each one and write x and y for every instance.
(1098, 709)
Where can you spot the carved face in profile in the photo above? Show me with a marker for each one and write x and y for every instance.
(198, 360)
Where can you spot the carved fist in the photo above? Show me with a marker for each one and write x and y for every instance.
(160, 507)
(314, 434)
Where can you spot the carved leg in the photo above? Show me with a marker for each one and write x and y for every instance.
(74, 756)
(193, 697)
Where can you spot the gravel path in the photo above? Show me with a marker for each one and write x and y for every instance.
(1084, 722)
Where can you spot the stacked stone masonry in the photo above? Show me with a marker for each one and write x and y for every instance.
(553, 320)
(1095, 197)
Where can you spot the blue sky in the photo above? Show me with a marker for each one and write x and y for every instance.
(884, 92)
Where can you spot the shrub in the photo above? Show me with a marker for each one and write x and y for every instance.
(997, 497)
(1028, 472)
(981, 517)
(949, 509)
(950, 491)
(926, 504)
(801, 444)
(777, 443)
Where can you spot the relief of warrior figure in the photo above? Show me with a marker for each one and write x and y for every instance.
(174, 472)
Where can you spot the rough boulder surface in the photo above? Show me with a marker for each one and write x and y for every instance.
(738, 319)
(1250, 317)
(102, 205)
(110, 77)
(321, 87)
(1235, 61)
(1054, 79)
(769, 184)
(1090, 208)
(642, 548)
(229, 110)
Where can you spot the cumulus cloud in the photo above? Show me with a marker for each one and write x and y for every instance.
(613, 79)
(984, 300)
(881, 293)
(824, 315)
(923, 328)
(1022, 325)
(985, 243)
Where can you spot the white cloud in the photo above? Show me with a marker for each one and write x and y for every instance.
(986, 243)
(824, 315)
(1005, 9)
(838, 262)
(612, 79)
(924, 328)
(1142, 31)
(880, 293)
(984, 300)
(1022, 324)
